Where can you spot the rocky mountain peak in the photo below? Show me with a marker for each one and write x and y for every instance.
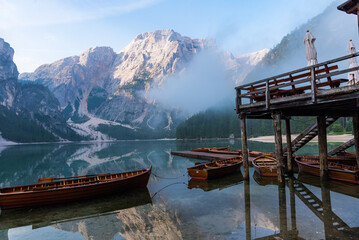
(8, 69)
(97, 56)
(8, 74)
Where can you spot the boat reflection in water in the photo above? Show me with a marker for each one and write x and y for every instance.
(263, 181)
(218, 183)
(49, 215)
(349, 189)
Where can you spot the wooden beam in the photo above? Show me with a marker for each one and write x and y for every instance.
(289, 147)
(356, 135)
(244, 148)
(278, 148)
(322, 146)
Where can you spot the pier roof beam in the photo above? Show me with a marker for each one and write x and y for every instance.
(350, 7)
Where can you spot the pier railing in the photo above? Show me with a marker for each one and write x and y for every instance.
(298, 82)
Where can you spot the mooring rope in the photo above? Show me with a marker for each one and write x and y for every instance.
(167, 187)
(167, 177)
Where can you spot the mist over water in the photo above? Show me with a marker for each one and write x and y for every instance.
(204, 83)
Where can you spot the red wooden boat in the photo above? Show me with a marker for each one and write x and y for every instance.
(226, 151)
(60, 190)
(208, 149)
(215, 169)
(258, 154)
(340, 159)
(336, 171)
(265, 166)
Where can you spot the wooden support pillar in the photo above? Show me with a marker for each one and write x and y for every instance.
(278, 148)
(289, 147)
(356, 135)
(247, 209)
(322, 145)
(244, 148)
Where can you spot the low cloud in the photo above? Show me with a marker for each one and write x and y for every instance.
(204, 83)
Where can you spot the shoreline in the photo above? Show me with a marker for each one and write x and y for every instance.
(330, 138)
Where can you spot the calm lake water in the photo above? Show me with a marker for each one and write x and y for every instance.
(173, 206)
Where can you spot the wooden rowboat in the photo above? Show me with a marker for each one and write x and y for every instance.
(258, 154)
(62, 190)
(265, 166)
(208, 149)
(226, 151)
(340, 159)
(215, 169)
(336, 171)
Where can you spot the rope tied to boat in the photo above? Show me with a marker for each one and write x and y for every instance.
(167, 187)
(168, 177)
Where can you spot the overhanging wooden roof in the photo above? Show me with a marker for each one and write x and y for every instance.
(350, 7)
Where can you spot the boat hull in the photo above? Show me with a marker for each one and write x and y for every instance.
(202, 172)
(67, 194)
(265, 171)
(337, 174)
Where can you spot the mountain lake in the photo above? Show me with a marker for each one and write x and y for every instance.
(174, 206)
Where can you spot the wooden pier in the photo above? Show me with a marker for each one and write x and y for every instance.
(318, 90)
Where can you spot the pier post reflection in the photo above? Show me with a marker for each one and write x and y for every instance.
(247, 207)
(283, 226)
(292, 205)
(327, 210)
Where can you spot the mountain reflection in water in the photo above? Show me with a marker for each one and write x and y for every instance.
(180, 208)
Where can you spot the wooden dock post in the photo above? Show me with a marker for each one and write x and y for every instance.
(322, 145)
(244, 148)
(289, 147)
(356, 135)
(278, 148)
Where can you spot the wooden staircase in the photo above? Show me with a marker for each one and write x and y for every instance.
(341, 148)
(308, 134)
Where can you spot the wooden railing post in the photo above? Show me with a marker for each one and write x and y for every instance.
(313, 84)
(267, 94)
(238, 99)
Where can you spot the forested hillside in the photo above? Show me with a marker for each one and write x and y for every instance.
(223, 123)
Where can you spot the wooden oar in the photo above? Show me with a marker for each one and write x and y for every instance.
(41, 180)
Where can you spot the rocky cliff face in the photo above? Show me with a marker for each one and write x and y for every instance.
(31, 110)
(106, 85)
(8, 74)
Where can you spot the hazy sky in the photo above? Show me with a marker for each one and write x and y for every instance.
(43, 31)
